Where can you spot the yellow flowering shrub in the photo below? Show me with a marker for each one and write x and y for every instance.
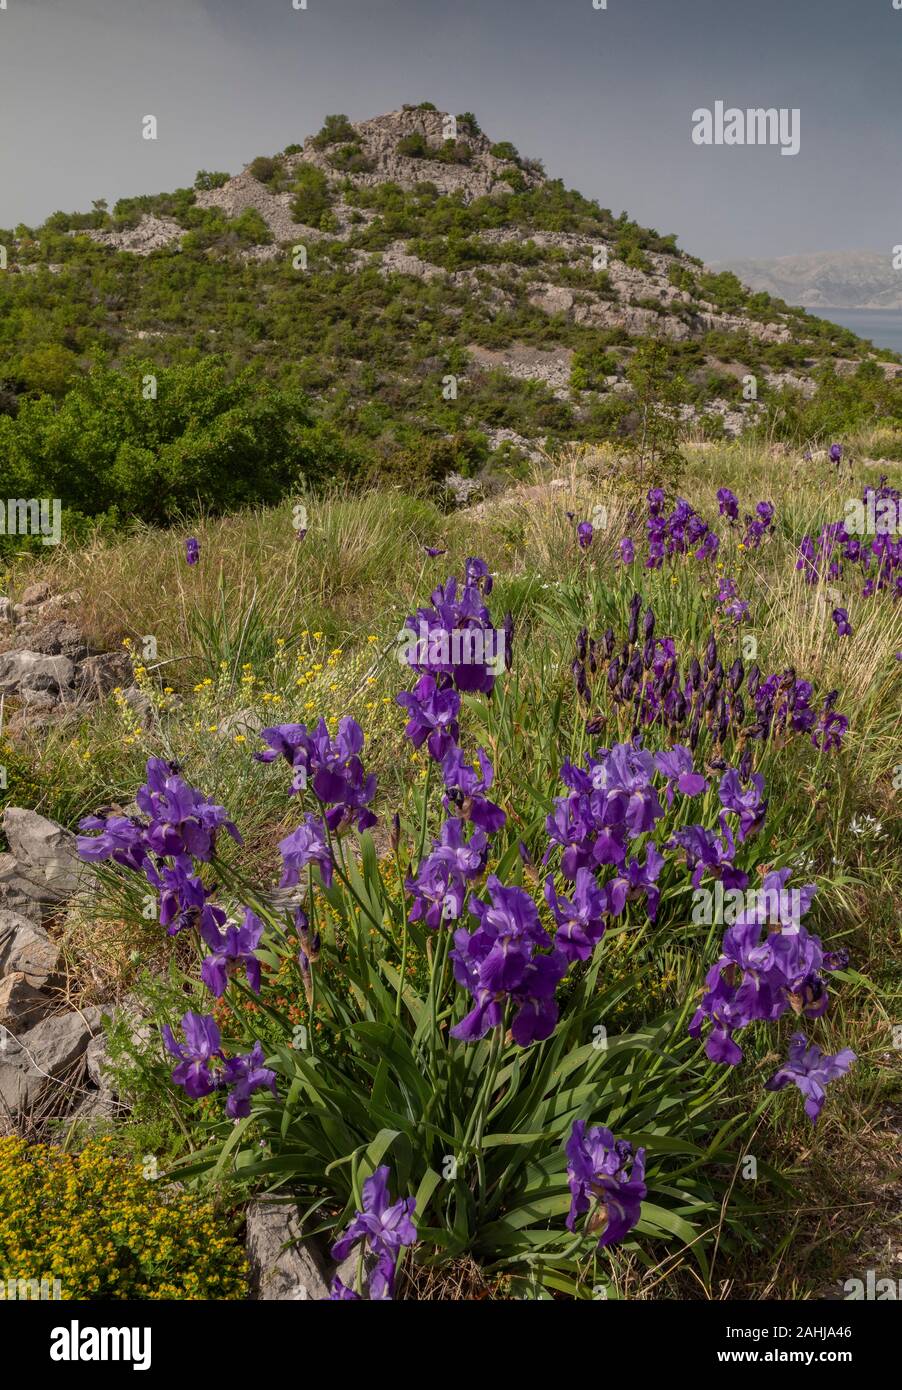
(94, 1222)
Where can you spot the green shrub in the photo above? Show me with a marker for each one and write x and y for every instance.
(590, 366)
(469, 123)
(351, 159)
(205, 180)
(263, 168)
(414, 146)
(506, 151)
(205, 438)
(312, 197)
(335, 130)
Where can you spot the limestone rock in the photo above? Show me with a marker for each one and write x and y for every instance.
(283, 1265)
(96, 676)
(21, 1005)
(34, 594)
(243, 721)
(45, 854)
(33, 671)
(25, 948)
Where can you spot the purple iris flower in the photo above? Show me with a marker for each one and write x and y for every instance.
(677, 766)
(432, 715)
(709, 546)
(454, 640)
(769, 963)
(237, 947)
(306, 845)
(811, 1070)
(637, 880)
(122, 839)
(244, 1075)
(728, 503)
(627, 551)
(843, 626)
(706, 853)
(499, 961)
(195, 1057)
(830, 731)
(192, 550)
(575, 825)
(186, 903)
(607, 1180)
(585, 532)
(384, 1226)
(580, 919)
(776, 904)
(340, 1293)
(835, 453)
(433, 551)
(625, 774)
(749, 803)
(465, 787)
(331, 767)
(183, 822)
(441, 885)
(738, 611)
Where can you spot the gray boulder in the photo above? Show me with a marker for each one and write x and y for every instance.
(27, 949)
(21, 1005)
(35, 593)
(96, 676)
(58, 1041)
(243, 721)
(32, 1064)
(140, 705)
(16, 893)
(283, 1265)
(34, 671)
(57, 638)
(45, 855)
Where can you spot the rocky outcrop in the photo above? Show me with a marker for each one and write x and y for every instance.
(37, 1062)
(47, 666)
(378, 138)
(45, 856)
(42, 1042)
(151, 234)
(630, 290)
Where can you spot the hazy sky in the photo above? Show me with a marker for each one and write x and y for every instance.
(605, 97)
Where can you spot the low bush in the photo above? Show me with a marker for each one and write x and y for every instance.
(106, 1228)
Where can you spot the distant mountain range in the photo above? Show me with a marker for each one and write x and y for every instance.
(825, 279)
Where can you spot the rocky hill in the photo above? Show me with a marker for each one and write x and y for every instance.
(433, 293)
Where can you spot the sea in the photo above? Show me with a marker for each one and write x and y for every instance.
(882, 327)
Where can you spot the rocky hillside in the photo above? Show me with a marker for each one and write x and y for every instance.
(442, 303)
